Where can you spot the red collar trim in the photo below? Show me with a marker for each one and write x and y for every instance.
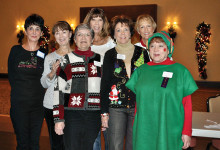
(87, 53)
(166, 62)
(142, 43)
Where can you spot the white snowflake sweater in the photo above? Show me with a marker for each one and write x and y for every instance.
(78, 84)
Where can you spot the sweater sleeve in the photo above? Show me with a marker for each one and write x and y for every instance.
(62, 86)
(106, 81)
(187, 126)
(11, 65)
(45, 81)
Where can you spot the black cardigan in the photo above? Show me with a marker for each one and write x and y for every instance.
(114, 74)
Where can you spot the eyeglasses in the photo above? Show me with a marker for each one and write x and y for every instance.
(83, 34)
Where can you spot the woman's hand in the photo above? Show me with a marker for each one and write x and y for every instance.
(54, 69)
(186, 141)
(104, 122)
(59, 126)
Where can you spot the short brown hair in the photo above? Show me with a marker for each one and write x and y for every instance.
(98, 12)
(63, 25)
(123, 20)
(147, 18)
(157, 40)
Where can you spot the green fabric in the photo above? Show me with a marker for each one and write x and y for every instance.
(159, 118)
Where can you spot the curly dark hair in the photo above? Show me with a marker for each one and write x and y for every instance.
(123, 20)
(34, 19)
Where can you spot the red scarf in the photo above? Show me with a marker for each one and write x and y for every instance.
(87, 53)
(165, 62)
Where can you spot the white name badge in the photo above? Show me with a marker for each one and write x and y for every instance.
(121, 56)
(40, 54)
(96, 63)
(167, 74)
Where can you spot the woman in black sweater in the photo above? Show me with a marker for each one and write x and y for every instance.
(116, 99)
(25, 67)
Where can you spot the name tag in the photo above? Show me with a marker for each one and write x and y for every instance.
(167, 74)
(96, 63)
(40, 54)
(121, 56)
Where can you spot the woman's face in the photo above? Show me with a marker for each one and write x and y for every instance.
(83, 39)
(145, 29)
(122, 33)
(158, 52)
(33, 33)
(96, 24)
(62, 37)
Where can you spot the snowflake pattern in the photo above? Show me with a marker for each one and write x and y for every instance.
(94, 69)
(76, 100)
(63, 61)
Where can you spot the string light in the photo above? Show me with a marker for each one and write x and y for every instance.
(202, 40)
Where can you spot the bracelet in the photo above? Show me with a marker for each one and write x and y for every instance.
(105, 114)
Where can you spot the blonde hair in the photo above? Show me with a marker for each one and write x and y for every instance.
(147, 18)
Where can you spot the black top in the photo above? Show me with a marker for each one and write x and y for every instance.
(25, 69)
(114, 93)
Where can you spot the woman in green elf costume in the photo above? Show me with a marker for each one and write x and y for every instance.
(163, 89)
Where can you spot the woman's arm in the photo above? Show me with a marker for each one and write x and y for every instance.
(11, 65)
(107, 71)
(49, 74)
(187, 126)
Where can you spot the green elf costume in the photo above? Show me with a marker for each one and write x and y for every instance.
(160, 89)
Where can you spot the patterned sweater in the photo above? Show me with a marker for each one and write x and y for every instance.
(78, 84)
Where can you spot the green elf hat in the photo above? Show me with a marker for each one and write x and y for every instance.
(167, 39)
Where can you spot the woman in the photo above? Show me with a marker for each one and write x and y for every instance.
(163, 120)
(25, 67)
(97, 20)
(77, 93)
(102, 42)
(145, 26)
(63, 35)
(116, 99)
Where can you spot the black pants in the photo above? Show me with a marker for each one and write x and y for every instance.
(27, 125)
(56, 141)
(81, 129)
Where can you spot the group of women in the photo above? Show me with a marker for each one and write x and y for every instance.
(105, 82)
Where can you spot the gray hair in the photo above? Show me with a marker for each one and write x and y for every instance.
(84, 26)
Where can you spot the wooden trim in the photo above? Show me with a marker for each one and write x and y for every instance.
(3, 75)
(208, 84)
(132, 11)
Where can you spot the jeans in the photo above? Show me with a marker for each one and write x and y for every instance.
(56, 141)
(120, 126)
(81, 129)
(97, 144)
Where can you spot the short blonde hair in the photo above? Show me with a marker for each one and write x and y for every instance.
(144, 17)
(98, 12)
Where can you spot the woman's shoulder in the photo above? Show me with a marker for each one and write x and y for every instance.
(15, 47)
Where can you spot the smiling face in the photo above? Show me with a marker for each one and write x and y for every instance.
(158, 51)
(122, 33)
(83, 39)
(62, 37)
(145, 29)
(96, 24)
(33, 33)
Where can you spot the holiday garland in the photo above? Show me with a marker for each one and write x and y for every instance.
(202, 40)
(45, 38)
